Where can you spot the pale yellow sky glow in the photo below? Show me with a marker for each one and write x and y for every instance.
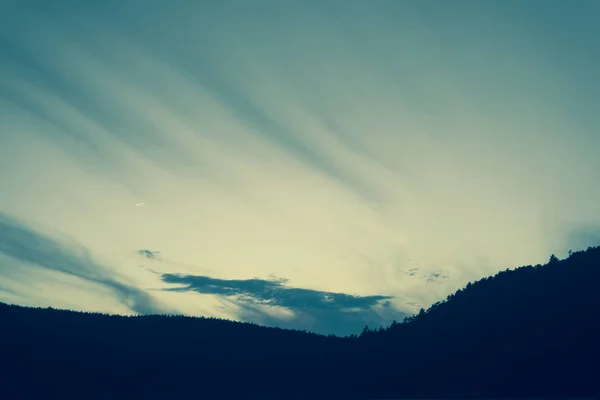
(341, 158)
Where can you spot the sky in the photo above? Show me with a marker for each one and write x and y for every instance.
(317, 165)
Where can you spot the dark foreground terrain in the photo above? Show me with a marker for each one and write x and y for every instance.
(532, 332)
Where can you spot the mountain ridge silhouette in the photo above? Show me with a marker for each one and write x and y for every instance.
(528, 332)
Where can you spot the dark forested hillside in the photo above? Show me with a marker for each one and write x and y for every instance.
(529, 332)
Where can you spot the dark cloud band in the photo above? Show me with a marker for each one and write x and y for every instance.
(324, 312)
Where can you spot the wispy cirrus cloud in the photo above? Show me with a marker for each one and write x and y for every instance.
(386, 137)
(21, 242)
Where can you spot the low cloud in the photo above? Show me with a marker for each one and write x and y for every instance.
(320, 311)
(21, 242)
(153, 255)
(432, 276)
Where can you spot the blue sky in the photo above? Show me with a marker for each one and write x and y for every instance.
(314, 164)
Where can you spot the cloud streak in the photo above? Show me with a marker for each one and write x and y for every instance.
(20, 242)
(329, 312)
(389, 136)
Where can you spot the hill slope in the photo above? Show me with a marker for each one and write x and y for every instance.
(533, 331)
(527, 332)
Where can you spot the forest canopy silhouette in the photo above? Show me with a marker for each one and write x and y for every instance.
(528, 332)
